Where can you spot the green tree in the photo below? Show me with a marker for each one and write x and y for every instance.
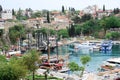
(2, 59)
(103, 7)
(76, 19)
(52, 32)
(42, 30)
(0, 10)
(5, 47)
(13, 12)
(87, 29)
(12, 70)
(73, 66)
(16, 32)
(113, 22)
(109, 22)
(72, 11)
(48, 17)
(103, 24)
(31, 60)
(19, 14)
(1, 32)
(86, 17)
(69, 30)
(115, 35)
(45, 31)
(90, 27)
(63, 10)
(36, 14)
(108, 35)
(44, 12)
(72, 30)
(78, 29)
(63, 32)
(116, 10)
(84, 60)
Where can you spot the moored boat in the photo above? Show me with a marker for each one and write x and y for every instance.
(106, 45)
(86, 45)
(111, 63)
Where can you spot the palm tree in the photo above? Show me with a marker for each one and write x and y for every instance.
(31, 59)
(84, 60)
(73, 66)
(0, 10)
(14, 69)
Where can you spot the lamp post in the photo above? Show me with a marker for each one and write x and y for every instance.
(37, 37)
(40, 39)
(37, 34)
(56, 45)
(36, 40)
(46, 73)
(48, 45)
(57, 42)
(18, 43)
(28, 41)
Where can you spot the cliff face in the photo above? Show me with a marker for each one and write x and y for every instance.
(4, 40)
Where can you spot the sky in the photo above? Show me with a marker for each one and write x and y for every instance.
(57, 4)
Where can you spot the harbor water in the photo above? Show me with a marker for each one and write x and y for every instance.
(97, 57)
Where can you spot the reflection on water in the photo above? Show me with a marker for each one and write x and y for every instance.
(97, 57)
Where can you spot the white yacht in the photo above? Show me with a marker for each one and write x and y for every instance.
(84, 46)
(111, 63)
(87, 45)
(106, 45)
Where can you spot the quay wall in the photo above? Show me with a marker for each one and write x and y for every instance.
(80, 41)
(116, 42)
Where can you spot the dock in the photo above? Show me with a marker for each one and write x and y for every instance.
(59, 75)
(116, 42)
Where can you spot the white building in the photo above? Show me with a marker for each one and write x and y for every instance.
(7, 14)
(91, 9)
(2, 22)
(61, 19)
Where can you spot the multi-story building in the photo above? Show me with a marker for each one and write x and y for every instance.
(2, 23)
(6, 14)
(91, 9)
(101, 13)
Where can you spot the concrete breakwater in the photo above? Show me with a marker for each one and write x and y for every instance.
(80, 41)
(116, 42)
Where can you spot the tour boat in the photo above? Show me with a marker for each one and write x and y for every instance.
(86, 45)
(14, 52)
(53, 64)
(106, 45)
(111, 64)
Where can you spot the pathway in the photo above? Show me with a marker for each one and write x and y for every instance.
(59, 75)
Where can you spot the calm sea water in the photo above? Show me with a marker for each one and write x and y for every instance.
(97, 57)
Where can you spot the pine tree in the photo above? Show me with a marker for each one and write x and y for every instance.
(103, 7)
(117, 10)
(13, 12)
(19, 14)
(48, 17)
(114, 11)
(72, 30)
(1, 8)
(63, 10)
